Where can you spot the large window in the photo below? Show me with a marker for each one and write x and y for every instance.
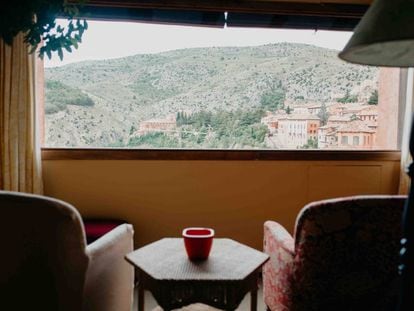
(133, 85)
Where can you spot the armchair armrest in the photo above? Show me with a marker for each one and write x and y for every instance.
(277, 272)
(276, 235)
(110, 278)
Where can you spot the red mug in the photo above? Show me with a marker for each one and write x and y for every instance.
(198, 242)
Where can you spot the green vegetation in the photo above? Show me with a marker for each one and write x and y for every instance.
(373, 99)
(311, 144)
(274, 98)
(348, 98)
(154, 140)
(354, 117)
(59, 95)
(323, 114)
(224, 129)
(144, 87)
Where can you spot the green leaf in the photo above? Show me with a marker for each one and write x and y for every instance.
(60, 53)
(68, 49)
(78, 38)
(85, 24)
(74, 43)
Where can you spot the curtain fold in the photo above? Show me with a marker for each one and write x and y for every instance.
(20, 163)
(406, 158)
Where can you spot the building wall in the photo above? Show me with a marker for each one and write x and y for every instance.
(293, 133)
(160, 198)
(388, 108)
(365, 140)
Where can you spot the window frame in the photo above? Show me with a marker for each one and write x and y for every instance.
(352, 9)
(51, 154)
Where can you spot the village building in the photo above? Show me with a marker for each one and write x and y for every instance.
(355, 135)
(168, 124)
(368, 114)
(311, 108)
(271, 120)
(294, 130)
(353, 108)
(336, 108)
(336, 120)
(327, 138)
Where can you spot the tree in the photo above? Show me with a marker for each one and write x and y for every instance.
(323, 114)
(37, 20)
(311, 144)
(348, 98)
(273, 99)
(373, 99)
(354, 117)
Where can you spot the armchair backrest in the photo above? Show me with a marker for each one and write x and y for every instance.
(347, 253)
(43, 261)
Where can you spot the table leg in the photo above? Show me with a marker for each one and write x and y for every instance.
(253, 299)
(140, 298)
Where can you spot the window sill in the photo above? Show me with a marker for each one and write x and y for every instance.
(217, 155)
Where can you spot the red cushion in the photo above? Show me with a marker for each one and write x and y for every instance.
(98, 229)
(95, 228)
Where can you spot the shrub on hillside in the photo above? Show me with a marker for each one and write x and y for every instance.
(59, 95)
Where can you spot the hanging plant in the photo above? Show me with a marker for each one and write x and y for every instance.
(37, 20)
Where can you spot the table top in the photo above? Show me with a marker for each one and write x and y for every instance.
(167, 259)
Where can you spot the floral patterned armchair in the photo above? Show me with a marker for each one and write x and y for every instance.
(344, 256)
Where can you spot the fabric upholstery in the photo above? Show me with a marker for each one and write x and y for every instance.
(110, 279)
(344, 256)
(20, 164)
(97, 227)
(45, 264)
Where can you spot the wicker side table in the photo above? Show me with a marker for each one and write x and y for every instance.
(221, 281)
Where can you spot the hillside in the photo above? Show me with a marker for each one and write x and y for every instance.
(129, 90)
(59, 96)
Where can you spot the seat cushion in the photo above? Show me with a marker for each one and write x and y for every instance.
(96, 227)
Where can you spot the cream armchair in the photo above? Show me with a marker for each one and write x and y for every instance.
(45, 263)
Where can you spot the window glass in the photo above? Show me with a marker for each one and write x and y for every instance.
(132, 85)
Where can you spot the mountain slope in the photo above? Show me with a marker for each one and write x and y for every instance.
(129, 90)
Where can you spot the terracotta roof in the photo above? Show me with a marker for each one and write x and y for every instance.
(325, 127)
(158, 121)
(338, 119)
(355, 127)
(368, 112)
(300, 116)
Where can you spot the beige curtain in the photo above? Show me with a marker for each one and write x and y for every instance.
(405, 153)
(20, 165)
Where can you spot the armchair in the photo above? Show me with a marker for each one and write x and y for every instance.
(45, 263)
(344, 256)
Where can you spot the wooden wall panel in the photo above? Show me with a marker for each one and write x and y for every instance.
(329, 181)
(162, 197)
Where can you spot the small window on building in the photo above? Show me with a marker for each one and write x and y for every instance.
(355, 140)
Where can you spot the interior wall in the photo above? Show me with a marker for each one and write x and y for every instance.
(160, 198)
